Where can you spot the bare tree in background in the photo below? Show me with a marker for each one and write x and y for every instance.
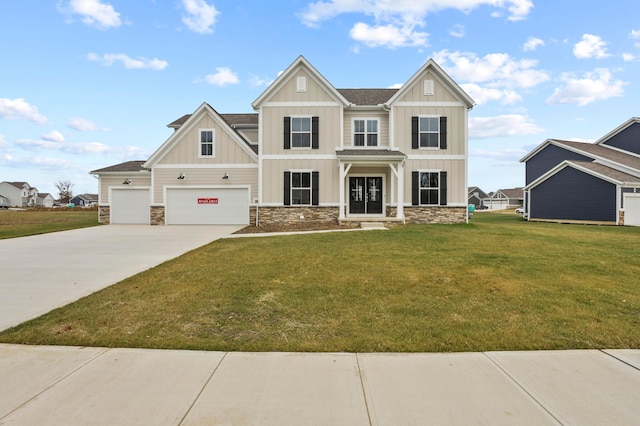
(65, 193)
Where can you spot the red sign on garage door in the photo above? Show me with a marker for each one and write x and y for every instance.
(207, 201)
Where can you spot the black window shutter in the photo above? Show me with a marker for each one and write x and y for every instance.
(443, 188)
(315, 180)
(287, 133)
(443, 132)
(415, 188)
(314, 132)
(414, 133)
(287, 188)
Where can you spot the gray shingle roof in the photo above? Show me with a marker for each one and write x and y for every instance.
(129, 166)
(231, 119)
(367, 96)
(603, 152)
(601, 169)
(370, 153)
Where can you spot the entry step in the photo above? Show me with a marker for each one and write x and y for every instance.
(372, 225)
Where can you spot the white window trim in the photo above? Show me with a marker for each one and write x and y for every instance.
(366, 133)
(427, 148)
(420, 186)
(310, 133)
(310, 172)
(213, 143)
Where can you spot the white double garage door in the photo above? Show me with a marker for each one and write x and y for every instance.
(183, 206)
(632, 209)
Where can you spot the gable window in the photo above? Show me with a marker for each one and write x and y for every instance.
(207, 143)
(429, 188)
(301, 132)
(365, 132)
(301, 188)
(429, 132)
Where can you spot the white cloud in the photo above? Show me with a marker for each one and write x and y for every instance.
(109, 59)
(593, 86)
(396, 22)
(223, 77)
(94, 13)
(628, 57)
(256, 81)
(501, 126)
(457, 31)
(15, 109)
(389, 35)
(200, 16)
(493, 77)
(532, 44)
(591, 46)
(81, 124)
(53, 136)
(85, 148)
(396, 86)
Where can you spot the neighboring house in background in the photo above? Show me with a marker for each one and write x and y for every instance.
(476, 196)
(85, 200)
(44, 200)
(504, 199)
(4, 202)
(19, 194)
(586, 182)
(311, 153)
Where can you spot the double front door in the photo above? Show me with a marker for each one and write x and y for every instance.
(365, 195)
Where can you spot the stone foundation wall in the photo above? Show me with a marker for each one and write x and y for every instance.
(621, 217)
(157, 215)
(441, 214)
(296, 215)
(104, 214)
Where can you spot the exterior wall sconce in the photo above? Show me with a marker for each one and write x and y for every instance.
(181, 176)
(127, 182)
(225, 176)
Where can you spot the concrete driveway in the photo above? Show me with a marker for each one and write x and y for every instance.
(43, 272)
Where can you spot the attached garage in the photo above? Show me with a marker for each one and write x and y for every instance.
(207, 206)
(130, 206)
(632, 209)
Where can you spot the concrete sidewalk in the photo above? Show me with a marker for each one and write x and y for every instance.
(44, 272)
(47, 385)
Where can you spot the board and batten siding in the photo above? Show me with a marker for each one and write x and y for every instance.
(227, 149)
(456, 169)
(383, 127)
(106, 182)
(456, 128)
(273, 183)
(441, 92)
(289, 91)
(329, 120)
(573, 195)
(238, 176)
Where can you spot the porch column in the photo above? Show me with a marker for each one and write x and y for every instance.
(400, 204)
(341, 215)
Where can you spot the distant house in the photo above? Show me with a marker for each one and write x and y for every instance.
(4, 202)
(476, 196)
(19, 194)
(505, 199)
(586, 182)
(44, 200)
(85, 200)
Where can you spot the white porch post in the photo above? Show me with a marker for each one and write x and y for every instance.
(400, 207)
(341, 192)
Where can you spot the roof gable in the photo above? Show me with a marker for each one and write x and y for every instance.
(625, 137)
(289, 73)
(597, 170)
(188, 124)
(442, 76)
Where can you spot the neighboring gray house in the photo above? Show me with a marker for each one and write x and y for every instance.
(45, 200)
(19, 194)
(504, 199)
(586, 182)
(476, 196)
(85, 200)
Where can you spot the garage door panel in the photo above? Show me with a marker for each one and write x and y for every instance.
(207, 206)
(632, 210)
(130, 206)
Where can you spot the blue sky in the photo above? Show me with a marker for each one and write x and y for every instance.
(85, 84)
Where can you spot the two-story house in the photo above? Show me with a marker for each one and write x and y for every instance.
(19, 194)
(311, 152)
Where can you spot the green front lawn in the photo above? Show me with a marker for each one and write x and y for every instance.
(498, 283)
(20, 223)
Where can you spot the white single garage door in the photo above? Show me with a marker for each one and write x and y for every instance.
(632, 209)
(207, 206)
(130, 206)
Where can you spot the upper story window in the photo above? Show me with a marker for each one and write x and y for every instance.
(428, 132)
(207, 143)
(365, 132)
(301, 132)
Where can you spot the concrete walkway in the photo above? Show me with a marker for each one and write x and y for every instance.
(47, 385)
(43, 272)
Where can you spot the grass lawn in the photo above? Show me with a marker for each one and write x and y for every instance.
(20, 223)
(498, 283)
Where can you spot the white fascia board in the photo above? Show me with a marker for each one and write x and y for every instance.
(617, 130)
